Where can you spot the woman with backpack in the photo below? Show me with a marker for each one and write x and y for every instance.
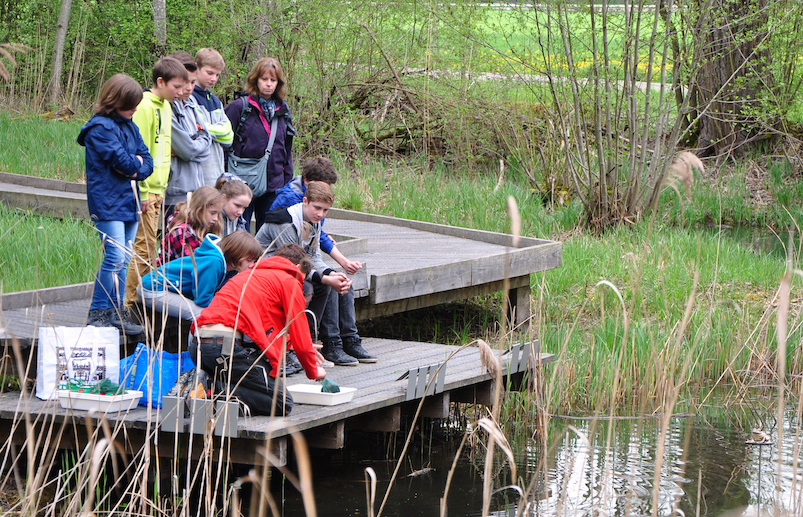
(262, 151)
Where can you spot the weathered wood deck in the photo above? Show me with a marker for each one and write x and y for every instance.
(409, 265)
(377, 405)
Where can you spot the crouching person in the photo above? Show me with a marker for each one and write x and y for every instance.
(262, 312)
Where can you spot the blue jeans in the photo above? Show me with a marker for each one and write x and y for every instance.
(116, 237)
(339, 320)
(258, 208)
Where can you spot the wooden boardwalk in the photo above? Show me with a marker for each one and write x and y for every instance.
(408, 265)
(378, 404)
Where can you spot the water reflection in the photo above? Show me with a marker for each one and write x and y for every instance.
(587, 468)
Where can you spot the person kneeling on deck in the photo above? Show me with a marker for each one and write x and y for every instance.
(184, 286)
(262, 312)
(301, 224)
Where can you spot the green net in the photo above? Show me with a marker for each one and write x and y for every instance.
(329, 386)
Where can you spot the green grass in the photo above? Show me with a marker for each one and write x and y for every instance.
(38, 252)
(38, 147)
(651, 264)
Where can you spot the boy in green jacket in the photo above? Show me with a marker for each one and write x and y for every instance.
(154, 120)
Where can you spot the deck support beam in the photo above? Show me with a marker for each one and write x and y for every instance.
(385, 420)
(519, 300)
(436, 406)
(330, 436)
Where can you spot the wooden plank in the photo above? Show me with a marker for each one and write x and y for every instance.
(60, 205)
(330, 436)
(480, 393)
(43, 183)
(519, 304)
(37, 297)
(515, 262)
(436, 406)
(419, 282)
(366, 310)
(442, 229)
(386, 420)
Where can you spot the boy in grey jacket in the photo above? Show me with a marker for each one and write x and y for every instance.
(191, 142)
(301, 224)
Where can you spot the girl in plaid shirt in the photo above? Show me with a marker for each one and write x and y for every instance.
(190, 223)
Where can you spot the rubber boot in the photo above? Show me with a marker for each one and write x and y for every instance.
(334, 352)
(353, 347)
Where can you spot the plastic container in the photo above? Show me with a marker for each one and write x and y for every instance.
(311, 394)
(102, 403)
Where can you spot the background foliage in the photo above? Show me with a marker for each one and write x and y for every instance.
(587, 103)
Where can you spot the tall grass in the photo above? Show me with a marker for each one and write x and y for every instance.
(38, 147)
(38, 252)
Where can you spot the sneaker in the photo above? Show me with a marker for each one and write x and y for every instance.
(291, 363)
(354, 349)
(120, 319)
(98, 318)
(334, 353)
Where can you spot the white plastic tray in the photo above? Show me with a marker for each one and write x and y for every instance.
(102, 403)
(311, 394)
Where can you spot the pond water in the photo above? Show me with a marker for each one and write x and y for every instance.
(600, 468)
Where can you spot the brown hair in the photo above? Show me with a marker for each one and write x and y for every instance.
(295, 254)
(193, 213)
(239, 245)
(185, 59)
(319, 191)
(209, 57)
(168, 68)
(319, 168)
(120, 92)
(231, 186)
(261, 66)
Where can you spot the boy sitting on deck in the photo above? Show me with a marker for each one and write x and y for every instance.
(261, 312)
(301, 224)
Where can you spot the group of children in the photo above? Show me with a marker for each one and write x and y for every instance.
(161, 197)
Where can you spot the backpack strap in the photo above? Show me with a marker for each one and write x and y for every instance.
(245, 110)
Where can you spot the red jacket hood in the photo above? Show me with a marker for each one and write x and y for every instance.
(280, 263)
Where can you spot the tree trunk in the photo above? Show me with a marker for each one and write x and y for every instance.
(54, 88)
(735, 80)
(160, 26)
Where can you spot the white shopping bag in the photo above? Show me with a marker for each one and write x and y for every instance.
(89, 354)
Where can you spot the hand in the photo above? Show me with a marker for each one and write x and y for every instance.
(145, 204)
(319, 358)
(338, 281)
(321, 374)
(140, 159)
(351, 266)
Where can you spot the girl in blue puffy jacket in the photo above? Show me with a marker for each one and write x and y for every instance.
(116, 158)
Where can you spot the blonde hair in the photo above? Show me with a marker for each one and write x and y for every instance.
(261, 66)
(231, 186)
(193, 213)
(209, 57)
(319, 191)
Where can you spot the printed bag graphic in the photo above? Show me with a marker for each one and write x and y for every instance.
(88, 354)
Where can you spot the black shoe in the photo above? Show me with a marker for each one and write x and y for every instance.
(334, 353)
(119, 318)
(354, 349)
(98, 318)
(291, 363)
